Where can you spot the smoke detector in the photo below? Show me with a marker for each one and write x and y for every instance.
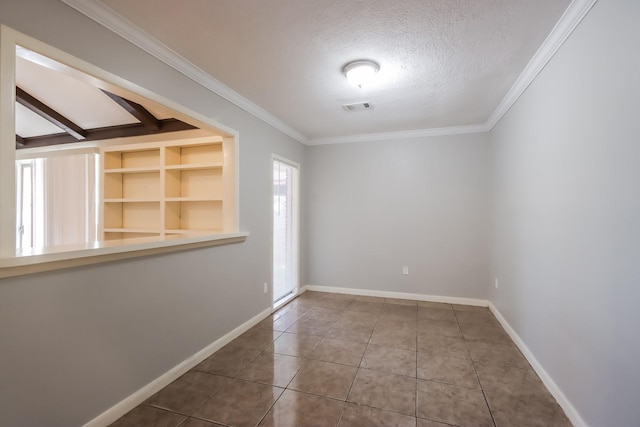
(358, 106)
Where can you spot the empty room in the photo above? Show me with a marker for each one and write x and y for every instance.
(319, 213)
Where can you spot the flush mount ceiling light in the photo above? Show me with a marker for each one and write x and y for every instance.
(360, 73)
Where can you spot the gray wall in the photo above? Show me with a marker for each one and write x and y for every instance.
(75, 342)
(374, 207)
(566, 165)
(563, 165)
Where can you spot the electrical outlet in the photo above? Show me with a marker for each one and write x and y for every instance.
(266, 287)
(497, 284)
(405, 270)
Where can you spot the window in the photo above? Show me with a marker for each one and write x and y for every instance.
(57, 200)
(29, 231)
(52, 170)
(285, 230)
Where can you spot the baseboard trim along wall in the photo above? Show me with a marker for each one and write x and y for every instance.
(570, 410)
(399, 295)
(119, 409)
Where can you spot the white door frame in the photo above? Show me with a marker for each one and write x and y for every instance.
(295, 229)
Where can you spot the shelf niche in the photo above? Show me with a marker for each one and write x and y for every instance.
(168, 188)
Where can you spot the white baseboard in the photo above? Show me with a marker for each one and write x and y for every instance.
(288, 299)
(400, 295)
(570, 410)
(119, 409)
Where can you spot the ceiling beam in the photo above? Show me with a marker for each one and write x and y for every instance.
(50, 114)
(110, 132)
(147, 119)
(19, 141)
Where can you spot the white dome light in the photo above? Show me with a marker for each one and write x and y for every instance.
(360, 73)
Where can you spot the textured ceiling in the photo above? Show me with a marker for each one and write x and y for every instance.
(443, 63)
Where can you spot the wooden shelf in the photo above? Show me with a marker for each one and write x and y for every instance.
(192, 232)
(133, 230)
(194, 183)
(192, 199)
(131, 200)
(136, 185)
(165, 188)
(193, 215)
(194, 154)
(147, 157)
(194, 166)
(132, 170)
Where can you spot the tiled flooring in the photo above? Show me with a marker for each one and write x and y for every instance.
(333, 359)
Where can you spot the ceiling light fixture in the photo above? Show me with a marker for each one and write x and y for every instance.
(360, 73)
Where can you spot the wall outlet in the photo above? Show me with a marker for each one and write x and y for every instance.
(497, 284)
(266, 287)
(405, 270)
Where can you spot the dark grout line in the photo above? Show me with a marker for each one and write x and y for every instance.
(361, 358)
(270, 407)
(473, 365)
(415, 412)
(488, 407)
(307, 310)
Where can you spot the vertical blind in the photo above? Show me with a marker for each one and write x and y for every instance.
(56, 200)
(283, 250)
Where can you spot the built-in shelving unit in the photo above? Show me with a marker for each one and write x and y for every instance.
(167, 188)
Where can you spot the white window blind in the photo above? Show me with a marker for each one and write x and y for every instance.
(283, 244)
(56, 200)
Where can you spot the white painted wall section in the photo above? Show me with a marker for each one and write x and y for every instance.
(376, 207)
(567, 217)
(76, 342)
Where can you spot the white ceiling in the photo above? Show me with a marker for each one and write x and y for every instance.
(443, 63)
(29, 124)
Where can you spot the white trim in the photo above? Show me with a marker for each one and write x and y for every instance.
(68, 256)
(42, 152)
(284, 160)
(289, 298)
(296, 224)
(46, 259)
(7, 144)
(404, 134)
(52, 57)
(570, 410)
(119, 409)
(567, 23)
(106, 17)
(401, 295)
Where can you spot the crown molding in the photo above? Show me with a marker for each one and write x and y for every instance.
(106, 17)
(567, 23)
(130, 32)
(403, 134)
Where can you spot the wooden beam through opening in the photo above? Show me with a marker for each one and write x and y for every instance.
(50, 114)
(110, 132)
(145, 117)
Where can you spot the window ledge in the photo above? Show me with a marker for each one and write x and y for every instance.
(59, 257)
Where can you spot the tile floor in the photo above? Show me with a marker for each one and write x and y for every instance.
(339, 360)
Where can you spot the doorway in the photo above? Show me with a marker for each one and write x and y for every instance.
(286, 196)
